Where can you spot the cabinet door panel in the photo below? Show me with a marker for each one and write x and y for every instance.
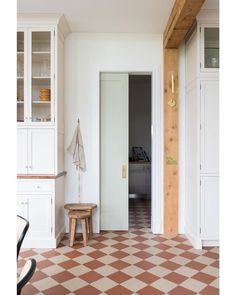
(21, 206)
(210, 208)
(210, 127)
(39, 209)
(41, 151)
(22, 151)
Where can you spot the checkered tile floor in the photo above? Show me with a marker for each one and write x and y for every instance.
(123, 263)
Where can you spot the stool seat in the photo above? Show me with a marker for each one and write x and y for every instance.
(80, 206)
(79, 214)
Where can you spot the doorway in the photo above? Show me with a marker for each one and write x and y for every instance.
(140, 150)
(157, 145)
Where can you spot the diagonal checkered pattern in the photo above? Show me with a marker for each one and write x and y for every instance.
(120, 263)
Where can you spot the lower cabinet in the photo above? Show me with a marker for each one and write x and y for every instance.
(36, 201)
(37, 209)
(139, 178)
(209, 209)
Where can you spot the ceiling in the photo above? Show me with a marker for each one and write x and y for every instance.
(106, 16)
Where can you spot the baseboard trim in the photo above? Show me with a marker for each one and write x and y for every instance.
(60, 235)
(195, 241)
(210, 243)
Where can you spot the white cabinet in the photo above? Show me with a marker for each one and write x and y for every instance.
(41, 151)
(202, 132)
(36, 151)
(210, 208)
(22, 151)
(41, 203)
(37, 209)
(35, 75)
(209, 127)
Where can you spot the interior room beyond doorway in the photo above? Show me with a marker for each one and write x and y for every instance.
(140, 121)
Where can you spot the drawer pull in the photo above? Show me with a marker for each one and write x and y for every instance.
(38, 186)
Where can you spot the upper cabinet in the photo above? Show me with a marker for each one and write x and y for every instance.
(210, 48)
(35, 76)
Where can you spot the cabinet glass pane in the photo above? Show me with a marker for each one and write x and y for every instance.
(41, 77)
(20, 77)
(211, 47)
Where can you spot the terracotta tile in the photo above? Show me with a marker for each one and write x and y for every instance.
(141, 246)
(175, 277)
(203, 277)
(145, 265)
(59, 290)
(159, 238)
(183, 247)
(44, 263)
(63, 276)
(93, 264)
(211, 255)
(120, 239)
(119, 254)
(189, 255)
(119, 277)
(73, 254)
(139, 239)
(68, 264)
(170, 265)
(119, 246)
(29, 290)
(210, 291)
(195, 265)
(100, 238)
(179, 239)
(181, 291)
(216, 264)
(96, 254)
(91, 276)
(26, 254)
(166, 255)
(98, 245)
(119, 264)
(87, 290)
(118, 290)
(150, 290)
(142, 254)
(38, 275)
(162, 246)
(50, 254)
(147, 277)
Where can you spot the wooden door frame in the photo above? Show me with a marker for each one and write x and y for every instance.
(157, 136)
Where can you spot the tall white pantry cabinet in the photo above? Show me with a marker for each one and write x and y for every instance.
(202, 131)
(40, 130)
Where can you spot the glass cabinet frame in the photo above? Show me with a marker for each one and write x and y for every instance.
(203, 68)
(39, 107)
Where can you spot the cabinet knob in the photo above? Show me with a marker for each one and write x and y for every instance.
(26, 203)
(38, 186)
(22, 203)
(26, 167)
(30, 167)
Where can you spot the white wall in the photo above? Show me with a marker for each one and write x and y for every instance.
(85, 54)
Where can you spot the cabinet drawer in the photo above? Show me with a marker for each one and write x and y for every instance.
(34, 186)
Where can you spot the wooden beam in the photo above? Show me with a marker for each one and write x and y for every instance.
(182, 18)
(171, 57)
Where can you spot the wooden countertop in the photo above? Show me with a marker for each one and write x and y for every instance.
(28, 176)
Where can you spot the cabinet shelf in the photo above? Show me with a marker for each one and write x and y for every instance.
(41, 52)
(20, 52)
(41, 77)
(19, 77)
(20, 102)
(41, 102)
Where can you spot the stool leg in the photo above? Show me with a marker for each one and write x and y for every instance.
(88, 228)
(91, 225)
(84, 231)
(72, 231)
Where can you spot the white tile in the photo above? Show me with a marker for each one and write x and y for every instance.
(79, 270)
(106, 270)
(104, 284)
(83, 259)
(52, 270)
(45, 284)
(194, 285)
(132, 270)
(134, 284)
(159, 271)
(186, 271)
(74, 284)
(164, 285)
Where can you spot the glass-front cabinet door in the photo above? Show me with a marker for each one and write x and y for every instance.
(21, 62)
(210, 48)
(41, 90)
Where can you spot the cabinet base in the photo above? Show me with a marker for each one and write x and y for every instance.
(210, 243)
(45, 242)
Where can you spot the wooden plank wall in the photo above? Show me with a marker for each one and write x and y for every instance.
(171, 142)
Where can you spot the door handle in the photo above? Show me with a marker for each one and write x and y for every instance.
(124, 171)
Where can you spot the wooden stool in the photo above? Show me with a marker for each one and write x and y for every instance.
(84, 207)
(83, 216)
